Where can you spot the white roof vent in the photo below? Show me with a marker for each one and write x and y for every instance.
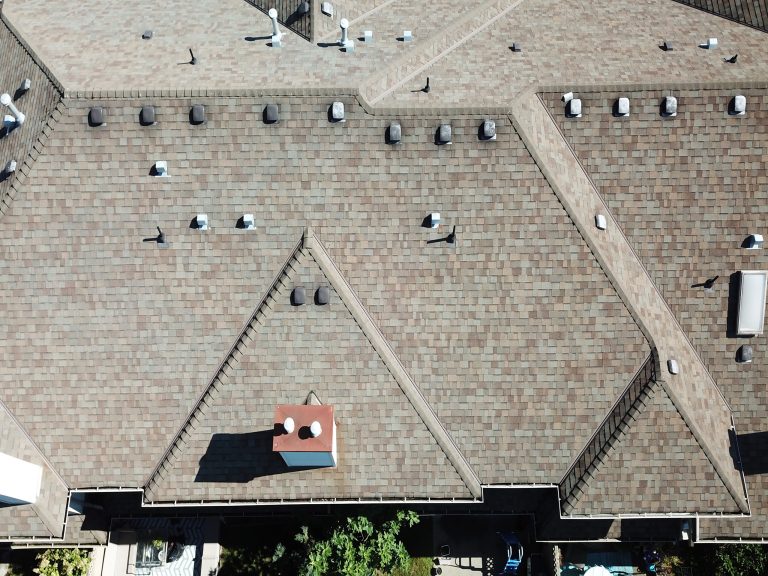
(709, 44)
(277, 35)
(394, 133)
(347, 44)
(433, 220)
(669, 106)
(248, 222)
(23, 88)
(601, 222)
(753, 242)
(326, 8)
(738, 105)
(407, 36)
(161, 168)
(573, 108)
(368, 36)
(201, 221)
(289, 425)
(672, 366)
(315, 429)
(444, 134)
(337, 112)
(622, 107)
(567, 97)
(10, 168)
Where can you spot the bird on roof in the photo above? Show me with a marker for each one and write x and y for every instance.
(732, 59)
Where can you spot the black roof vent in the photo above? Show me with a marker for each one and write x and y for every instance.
(322, 296)
(147, 116)
(298, 296)
(197, 114)
(303, 8)
(271, 114)
(96, 116)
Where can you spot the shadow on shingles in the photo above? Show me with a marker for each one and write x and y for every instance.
(240, 458)
(734, 285)
(753, 448)
(256, 38)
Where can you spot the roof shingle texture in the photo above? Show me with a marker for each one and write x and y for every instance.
(687, 192)
(512, 330)
(384, 449)
(656, 448)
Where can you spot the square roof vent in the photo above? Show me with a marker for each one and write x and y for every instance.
(147, 116)
(394, 133)
(622, 107)
(197, 114)
(669, 106)
(337, 112)
(444, 134)
(488, 130)
(738, 105)
(201, 221)
(160, 168)
(573, 108)
(248, 222)
(271, 114)
(96, 116)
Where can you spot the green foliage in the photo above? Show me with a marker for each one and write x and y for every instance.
(250, 561)
(420, 566)
(63, 562)
(741, 560)
(357, 547)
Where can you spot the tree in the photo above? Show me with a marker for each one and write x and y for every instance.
(741, 560)
(357, 547)
(63, 562)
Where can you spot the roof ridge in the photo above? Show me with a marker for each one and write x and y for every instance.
(379, 342)
(220, 375)
(435, 47)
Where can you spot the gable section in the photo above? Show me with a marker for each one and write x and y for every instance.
(655, 466)
(385, 449)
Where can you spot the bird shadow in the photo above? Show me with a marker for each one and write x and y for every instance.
(256, 38)
(449, 239)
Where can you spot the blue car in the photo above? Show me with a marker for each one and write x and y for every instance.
(514, 554)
